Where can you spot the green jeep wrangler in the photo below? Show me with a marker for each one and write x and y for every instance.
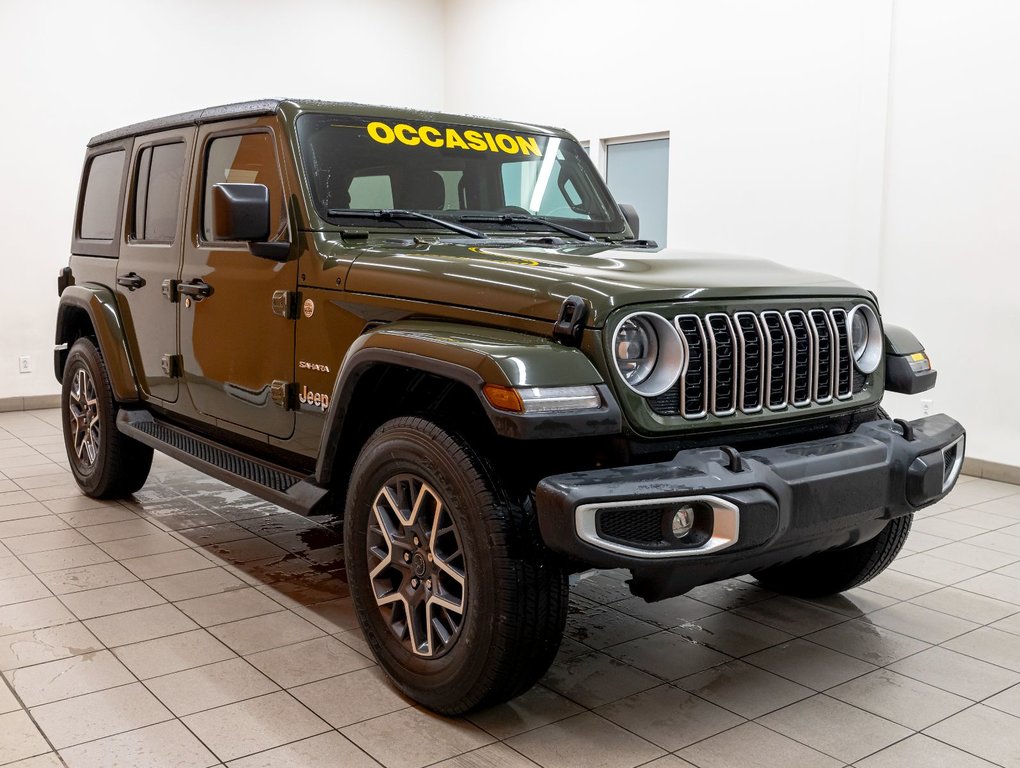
(444, 332)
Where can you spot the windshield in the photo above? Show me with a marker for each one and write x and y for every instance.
(451, 171)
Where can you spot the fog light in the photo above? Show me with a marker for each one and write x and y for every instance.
(683, 521)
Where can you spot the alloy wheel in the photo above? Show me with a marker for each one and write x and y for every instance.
(417, 565)
(83, 414)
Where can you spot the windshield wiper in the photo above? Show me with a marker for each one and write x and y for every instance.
(393, 214)
(508, 218)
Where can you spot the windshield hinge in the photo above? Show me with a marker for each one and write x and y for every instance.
(569, 326)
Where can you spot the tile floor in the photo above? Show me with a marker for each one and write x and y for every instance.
(197, 626)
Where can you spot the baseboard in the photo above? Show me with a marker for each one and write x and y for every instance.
(991, 470)
(29, 403)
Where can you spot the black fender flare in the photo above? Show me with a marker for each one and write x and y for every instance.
(100, 304)
(473, 357)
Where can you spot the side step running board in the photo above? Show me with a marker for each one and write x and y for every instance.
(259, 478)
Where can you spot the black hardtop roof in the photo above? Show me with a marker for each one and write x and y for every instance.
(271, 106)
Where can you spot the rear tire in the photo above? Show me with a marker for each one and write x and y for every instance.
(432, 539)
(105, 463)
(828, 573)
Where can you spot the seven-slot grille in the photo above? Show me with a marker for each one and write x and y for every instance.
(751, 361)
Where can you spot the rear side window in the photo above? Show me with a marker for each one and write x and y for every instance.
(246, 159)
(157, 193)
(102, 194)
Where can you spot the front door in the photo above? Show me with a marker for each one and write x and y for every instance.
(150, 257)
(234, 346)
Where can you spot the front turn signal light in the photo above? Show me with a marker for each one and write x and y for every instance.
(542, 399)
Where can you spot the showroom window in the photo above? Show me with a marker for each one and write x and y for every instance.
(157, 192)
(102, 194)
(637, 172)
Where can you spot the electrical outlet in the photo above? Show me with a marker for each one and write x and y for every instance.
(926, 407)
(24, 364)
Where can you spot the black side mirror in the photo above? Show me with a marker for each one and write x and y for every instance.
(240, 212)
(633, 220)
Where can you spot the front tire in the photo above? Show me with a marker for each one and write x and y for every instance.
(827, 573)
(105, 463)
(459, 600)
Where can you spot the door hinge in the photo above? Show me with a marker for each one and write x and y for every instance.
(284, 394)
(170, 289)
(285, 304)
(172, 366)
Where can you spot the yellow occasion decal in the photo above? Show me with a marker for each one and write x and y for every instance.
(479, 141)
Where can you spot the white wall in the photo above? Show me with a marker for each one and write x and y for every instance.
(876, 140)
(75, 69)
(951, 250)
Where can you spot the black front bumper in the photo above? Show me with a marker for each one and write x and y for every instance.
(757, 509)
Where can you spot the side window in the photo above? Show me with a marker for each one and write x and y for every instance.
(102, 195)
(157, 193)
(246, 159)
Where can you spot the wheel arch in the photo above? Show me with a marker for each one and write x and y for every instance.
(90, 310)
(393, 370)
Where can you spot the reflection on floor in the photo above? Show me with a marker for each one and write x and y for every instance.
(197, 626)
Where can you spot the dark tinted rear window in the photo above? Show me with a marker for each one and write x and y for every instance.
(102, 193)
(157, 192)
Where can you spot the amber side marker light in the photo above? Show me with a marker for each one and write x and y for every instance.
(542, 399)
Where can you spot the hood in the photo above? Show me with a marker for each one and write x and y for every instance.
(532, 281)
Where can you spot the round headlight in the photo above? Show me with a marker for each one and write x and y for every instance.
(648, 353)
(865, 338)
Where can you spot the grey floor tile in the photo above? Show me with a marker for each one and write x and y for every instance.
(351, 697)
(667, 655)
(1008, 701)
(36, 646)
(584, 741)
(411, 738)
(994, 585)
(669, 717)
(184, 586)
(19, 738)
(84, 577)
(957, 673)
(899, 698)
(594, 678)
(921, 751)
(140, 625)
(752, 745)
(601, 627)
(863, 640)
(225, 607)
(498, 756)
(967, 554)
(308, 661)
(666, 613)
(261, 633)
(76, 675)
(327, 749)
(932, 568)
(988, 644)
(921, 623)
(174, 653)
(96, 715)
(966, 605)
(732, 593)
(533, 709)
(810, 664)
(988, 733)
(209, 686)
(165, 745)
(790, 615)
(254, 725)
(859, 733)
(34, 614)
(92, 603)
(744, 689)
(901, 586)
(731, 634)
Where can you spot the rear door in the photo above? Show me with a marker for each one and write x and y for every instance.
(150, 257)
(236, 347)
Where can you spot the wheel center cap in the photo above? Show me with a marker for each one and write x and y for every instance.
(418, 564)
